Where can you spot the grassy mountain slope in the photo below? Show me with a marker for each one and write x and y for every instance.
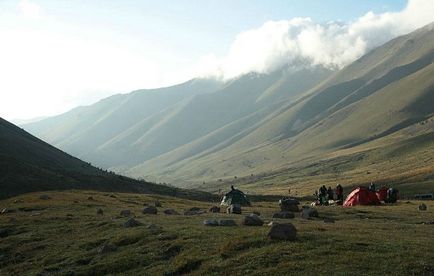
(266, 124)
(386, 95)
(28, 164)
(83, 129)
(99, 134)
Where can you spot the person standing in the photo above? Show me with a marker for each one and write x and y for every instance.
(330, 193)
(339, 194)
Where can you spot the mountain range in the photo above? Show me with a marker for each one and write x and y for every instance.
(372, 120)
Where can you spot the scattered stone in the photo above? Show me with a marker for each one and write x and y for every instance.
(234, 209)
(153, 227)
(18, 201)
(76, 201)
(106, 248)
(285, 231)
(157, 203)
(284, 215)
(214, 209)
(90, 198)
(256, 213)
(131, 222)
(227, 222)
(289, 204)
(6, 211)
(151, 210)
(30, 209)
(99, 211)
(329, 220)
(44, 197)
(422, 207)
(210, 222)
(271, 223)
(253, 220)
(193, 211)
(145, 204)
(112, 196)
(125, 213)
(170, 212)
(308, 212)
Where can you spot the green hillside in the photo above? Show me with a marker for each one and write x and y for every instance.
(28, 164)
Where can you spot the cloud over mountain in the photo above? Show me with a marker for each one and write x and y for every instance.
(331, 44)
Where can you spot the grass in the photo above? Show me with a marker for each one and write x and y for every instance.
(63, 236)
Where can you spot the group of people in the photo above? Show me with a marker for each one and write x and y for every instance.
(325, 194)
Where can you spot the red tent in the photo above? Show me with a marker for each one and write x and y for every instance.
(361, 196)
(382, 194)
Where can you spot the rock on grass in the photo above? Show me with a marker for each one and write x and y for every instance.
(285, 231)
(132, 223)
(253, 220)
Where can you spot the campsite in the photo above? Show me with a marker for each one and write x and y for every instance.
(64, 235)
(216, 137)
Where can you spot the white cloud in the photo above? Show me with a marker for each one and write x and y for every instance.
(30, 9)
(333, 44)
(47, 67)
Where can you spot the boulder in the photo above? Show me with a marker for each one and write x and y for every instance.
(289, 204)
(6, 210)
(329, 220)
(125, 213)
(157, 203)
(227, 222)
(253, 220)
(193, 211)
(151, 210)
(153, 227)
(210, 222)
(90, 198)
(308, 212)
(234, 209)
(44, 197)
(214, 209)
(284, 231)
(284, 215)
(99, 211)
(131, 222)
(422, 207)
(170, 212)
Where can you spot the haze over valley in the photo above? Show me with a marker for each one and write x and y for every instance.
(216, 137)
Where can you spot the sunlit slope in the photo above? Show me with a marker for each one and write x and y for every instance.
(393, 89)
(199, 121)
(84, 129)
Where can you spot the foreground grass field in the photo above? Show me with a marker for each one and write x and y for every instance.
(64, 235)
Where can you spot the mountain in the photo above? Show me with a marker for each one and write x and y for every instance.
(268, 130)
(28, 164)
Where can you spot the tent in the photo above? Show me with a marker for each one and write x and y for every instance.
(361, 196)
(235, 197)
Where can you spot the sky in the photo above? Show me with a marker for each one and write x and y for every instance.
(56, 55)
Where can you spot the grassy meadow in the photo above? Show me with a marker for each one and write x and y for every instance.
(64, 235)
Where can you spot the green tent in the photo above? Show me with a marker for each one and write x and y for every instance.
(235, 197)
